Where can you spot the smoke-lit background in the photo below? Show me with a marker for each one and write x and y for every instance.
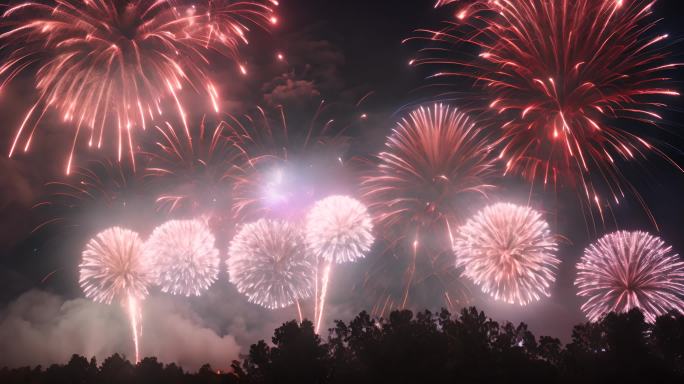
(334, 50)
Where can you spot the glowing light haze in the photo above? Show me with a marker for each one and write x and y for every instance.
(186, 261)
(114, 66)
(508, 250)
(556, 77)
(268, 262)
(625, 270)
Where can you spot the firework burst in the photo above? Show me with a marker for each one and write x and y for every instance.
(268, 262)
(509, 252)
(109, 64)
(339, 229)
(185, 259)
(193, 172)
(558, 77)
(114, 268)
(435, 164)
(432, 160)
(625, 270)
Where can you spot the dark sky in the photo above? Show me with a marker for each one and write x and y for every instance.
(339, 51)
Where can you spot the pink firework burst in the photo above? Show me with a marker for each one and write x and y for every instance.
(110, 65)
(625, 270)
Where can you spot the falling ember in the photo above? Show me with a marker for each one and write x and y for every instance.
(106, 66)
(558, 77)
(625, 270)
(509, 252)
(113, 268)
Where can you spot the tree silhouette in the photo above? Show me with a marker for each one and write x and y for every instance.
(425, 347)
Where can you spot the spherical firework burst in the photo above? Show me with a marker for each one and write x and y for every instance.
(193, 172)
(557, 77)
(432, 161)
(113, 267)
(625, 270)
(185, 259)
(509, 252)
(339, 229)
(268, 262)
(108, 63)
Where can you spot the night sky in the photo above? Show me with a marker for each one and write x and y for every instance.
(335, 50)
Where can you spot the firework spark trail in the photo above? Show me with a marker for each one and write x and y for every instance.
(558, 78)
(509, 252)
(105, 63)
(268, 262)
(113, 268)
(324, 292)
(625, 270)
(434, 162)
(185, 259)
(135, 319)
(338, 230)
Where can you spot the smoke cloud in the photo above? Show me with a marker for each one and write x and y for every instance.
(43, 328)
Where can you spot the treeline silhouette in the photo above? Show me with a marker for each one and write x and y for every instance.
(421, 348)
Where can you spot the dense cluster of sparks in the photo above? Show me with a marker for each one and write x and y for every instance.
(557, 77)
(113, 267)
(269, 263)
(339, 230)
(509, 252)
(186, 261)
(432, 160)
(111, 66)
(625, 270)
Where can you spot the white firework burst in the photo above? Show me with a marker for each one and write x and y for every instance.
(269, 263)
(509, 252)
(185, 257)
(114, 268)
(339, 229)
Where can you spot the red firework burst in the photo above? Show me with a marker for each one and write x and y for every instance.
(432, 160)
(558, 77)
(435, 162)
(105, 63)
